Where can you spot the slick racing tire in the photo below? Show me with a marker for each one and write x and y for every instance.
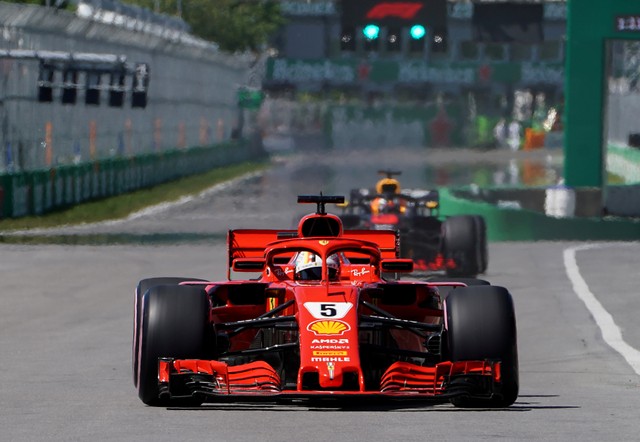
(481, 243)
(174, 322)
(481, 325)
(459, 243)
(141, 289)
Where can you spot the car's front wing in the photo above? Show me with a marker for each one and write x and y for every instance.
(402, 380)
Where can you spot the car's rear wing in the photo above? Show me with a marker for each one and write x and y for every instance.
(251, 243)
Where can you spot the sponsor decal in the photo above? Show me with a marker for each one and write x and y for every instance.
(330, 344)
(320, 310)
(280, 273)
(329, 347)
(323, 242)
(331, 359)
(329, 353)
(363, 271)
(332, 327)
(330, 341)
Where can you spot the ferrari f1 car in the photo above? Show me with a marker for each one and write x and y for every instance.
(320, 322)
(456, 245)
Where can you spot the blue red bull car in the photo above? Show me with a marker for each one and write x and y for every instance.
(311, 313)
(456, 245)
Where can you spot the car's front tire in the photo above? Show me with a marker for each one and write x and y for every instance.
(481, 325)
(141, 289)
(174, 322)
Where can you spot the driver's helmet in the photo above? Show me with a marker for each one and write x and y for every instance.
(388, 186)
(309, 267)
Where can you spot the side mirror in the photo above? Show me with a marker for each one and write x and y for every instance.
(397, 265)
(248, 264)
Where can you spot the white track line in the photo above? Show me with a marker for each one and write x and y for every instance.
(611, 333)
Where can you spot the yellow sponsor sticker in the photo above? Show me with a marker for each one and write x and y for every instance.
(329, 353)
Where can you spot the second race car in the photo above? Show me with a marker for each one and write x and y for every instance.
(456, 245)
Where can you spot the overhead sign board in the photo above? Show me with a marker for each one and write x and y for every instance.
(394, 12)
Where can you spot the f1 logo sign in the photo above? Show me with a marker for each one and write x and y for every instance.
(403, 10)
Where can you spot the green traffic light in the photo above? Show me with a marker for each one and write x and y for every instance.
(417, 32)
(371, 31)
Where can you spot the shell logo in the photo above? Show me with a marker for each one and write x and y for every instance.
(324, 327)
(323, 242)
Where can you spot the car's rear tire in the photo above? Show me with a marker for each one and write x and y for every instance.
(141, 289)
(481, 243)
(459, 243)
(481, 325)
(174, 322)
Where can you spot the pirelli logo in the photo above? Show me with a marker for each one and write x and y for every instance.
(329, 353)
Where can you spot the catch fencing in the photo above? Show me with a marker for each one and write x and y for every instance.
(191, 100)
(192, 91)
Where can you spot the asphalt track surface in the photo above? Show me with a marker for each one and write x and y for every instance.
(66, 326)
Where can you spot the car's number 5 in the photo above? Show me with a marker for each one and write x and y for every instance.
(328, 310)
(323, 310)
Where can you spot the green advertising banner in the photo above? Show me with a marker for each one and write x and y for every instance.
(412, 71)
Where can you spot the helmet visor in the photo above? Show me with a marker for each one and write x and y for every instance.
(310, 274)
(315, 274)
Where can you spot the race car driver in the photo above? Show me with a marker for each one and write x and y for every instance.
(309, 267)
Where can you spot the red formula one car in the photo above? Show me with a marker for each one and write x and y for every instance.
(456, 245)
(321, 322)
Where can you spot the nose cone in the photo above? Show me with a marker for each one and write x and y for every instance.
(328, 321)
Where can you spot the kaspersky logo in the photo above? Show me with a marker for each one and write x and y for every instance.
(403, 10)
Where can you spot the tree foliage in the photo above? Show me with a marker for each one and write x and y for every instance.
(235, 25)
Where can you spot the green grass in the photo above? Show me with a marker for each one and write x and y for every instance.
(122, 205)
